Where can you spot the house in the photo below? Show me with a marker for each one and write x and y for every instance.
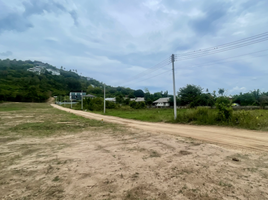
(140, 99)
(37, 69)
(76, 95)
(111, 99)
(162, 102)
(54, 72)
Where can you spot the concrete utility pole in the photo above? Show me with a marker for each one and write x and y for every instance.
(82, 100)
(104, 106)
(71, 103)
(174, 89)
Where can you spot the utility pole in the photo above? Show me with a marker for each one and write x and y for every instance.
(174, 89)
(71, 103)
(104, 106)
(82, 100)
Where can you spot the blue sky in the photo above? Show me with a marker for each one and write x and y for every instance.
(116, 41)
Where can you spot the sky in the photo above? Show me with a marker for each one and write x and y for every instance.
(121, 43)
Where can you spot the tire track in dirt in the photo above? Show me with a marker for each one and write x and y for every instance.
(229, 137)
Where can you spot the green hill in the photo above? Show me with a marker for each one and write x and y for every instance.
(18, 84)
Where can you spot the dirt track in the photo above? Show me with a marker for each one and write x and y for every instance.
(235, 138)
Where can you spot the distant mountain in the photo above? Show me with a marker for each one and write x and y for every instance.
(35, 81)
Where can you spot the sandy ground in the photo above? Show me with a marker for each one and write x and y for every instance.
(130, 163)
(235, 138)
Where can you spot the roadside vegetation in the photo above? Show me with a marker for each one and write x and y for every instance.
(198, 109)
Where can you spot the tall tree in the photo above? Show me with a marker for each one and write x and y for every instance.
(221, 91)
(189, 94)
(139, 93)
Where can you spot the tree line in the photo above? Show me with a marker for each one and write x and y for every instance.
(18, 84)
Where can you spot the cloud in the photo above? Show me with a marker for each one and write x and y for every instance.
(6, 54)
(113, 41)
(20, 19)
(14, 22)
(237, 90)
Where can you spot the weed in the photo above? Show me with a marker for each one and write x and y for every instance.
(225, 116)
(154, 154)
(56, 179)
(224, 184)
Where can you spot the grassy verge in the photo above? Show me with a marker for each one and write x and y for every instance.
(251, 119)
(40, 119)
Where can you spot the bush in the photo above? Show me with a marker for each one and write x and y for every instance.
(137, 105)
(110, 105)
(225, 110)
(93, 104)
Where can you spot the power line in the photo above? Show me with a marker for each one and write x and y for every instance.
(259, 36)
(202, 54)
(208, 64)
(162, 64)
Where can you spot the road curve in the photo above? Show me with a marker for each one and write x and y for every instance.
(229, 137)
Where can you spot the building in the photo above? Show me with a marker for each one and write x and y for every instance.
(89, 96)
(140, 99)
(41, 69)
(54, 72)
(37, 69)
(76, 95)
(111, 99)
(162, 102)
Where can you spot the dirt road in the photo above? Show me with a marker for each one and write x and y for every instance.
(235, 138)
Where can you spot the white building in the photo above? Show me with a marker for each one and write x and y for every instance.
(111, 99)
(54, 72)
(140, 99)
(37, 69)
(162, 102)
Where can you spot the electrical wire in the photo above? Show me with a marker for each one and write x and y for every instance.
(208, 64)
(198, 55)
(259, 36)
(204, 52)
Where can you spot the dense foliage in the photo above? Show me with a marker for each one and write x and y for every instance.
(18, 84)
(137, 105)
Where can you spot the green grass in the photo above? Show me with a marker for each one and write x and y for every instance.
(40, 119)
(6, 107)
(252, 119)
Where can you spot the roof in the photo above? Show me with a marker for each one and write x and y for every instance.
(110, 99)
(77, 93)
(162, 100)
(89, 95)
(139, 99)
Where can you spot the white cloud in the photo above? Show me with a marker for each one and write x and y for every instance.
(113, 41)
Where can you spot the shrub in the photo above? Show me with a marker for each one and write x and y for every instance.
(225, 109)
(110, 105)
(93, 104)
(137, 105)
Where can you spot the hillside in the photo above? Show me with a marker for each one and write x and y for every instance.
(18, 84)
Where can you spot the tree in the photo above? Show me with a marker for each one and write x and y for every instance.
(221, 91)
(189, 94)
(138, 93)
(119, 99)
(263, 101)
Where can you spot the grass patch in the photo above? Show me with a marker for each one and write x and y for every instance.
(252, 119)
(40, 119)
